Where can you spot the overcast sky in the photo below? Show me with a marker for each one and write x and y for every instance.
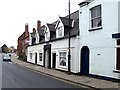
(15, 13)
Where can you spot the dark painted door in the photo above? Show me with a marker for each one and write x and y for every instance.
(54, 60)
(85, 61)
(118, 59)
(35, 58)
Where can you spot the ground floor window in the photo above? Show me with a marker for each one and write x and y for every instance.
(30, 55)
(118, 59)
(62, 58)
(40, 56)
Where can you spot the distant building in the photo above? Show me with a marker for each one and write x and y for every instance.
(12, 49)
(23, 43)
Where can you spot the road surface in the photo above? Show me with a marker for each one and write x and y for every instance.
(15, 76)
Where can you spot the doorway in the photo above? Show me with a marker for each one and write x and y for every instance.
(47, 56)
(54, 60)
(85, 61)
(35, 58)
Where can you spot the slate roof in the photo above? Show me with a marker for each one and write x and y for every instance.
(65, 21)
(74, 15)
(74, 31)
(51, 27)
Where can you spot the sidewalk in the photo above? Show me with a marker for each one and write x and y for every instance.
(82, 80)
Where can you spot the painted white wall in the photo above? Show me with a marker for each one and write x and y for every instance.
(100, 42)
(35, 49)
(62, 45)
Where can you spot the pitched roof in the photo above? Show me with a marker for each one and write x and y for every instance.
(51, 27)
(65, 21)
(74, 15)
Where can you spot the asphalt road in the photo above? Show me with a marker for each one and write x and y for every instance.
(15, 76)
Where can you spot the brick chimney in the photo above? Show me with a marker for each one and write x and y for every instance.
(38, 24)
(34, 30)
(26, 27)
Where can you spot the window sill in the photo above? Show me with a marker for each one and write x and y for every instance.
(116, 71)
(63, 67)
(94, 29)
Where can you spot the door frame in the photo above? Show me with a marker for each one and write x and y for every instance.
(54, 60)
(47, 48)
(84, 65)
(35, 57)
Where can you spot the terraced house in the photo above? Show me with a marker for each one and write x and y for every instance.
(50, 46)
(99, 25)
(95, 41)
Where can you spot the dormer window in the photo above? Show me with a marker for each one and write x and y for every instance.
(60, 31)
(47, 35)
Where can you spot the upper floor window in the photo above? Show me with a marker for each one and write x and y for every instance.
(96, 20)
(60, 31)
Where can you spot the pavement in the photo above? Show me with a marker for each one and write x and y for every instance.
(77, 79)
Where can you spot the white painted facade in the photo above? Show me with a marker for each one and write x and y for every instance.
(35, 49)
(102, 58)
(62, 45)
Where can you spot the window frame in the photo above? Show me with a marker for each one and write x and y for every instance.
(96, 17)
(31, 55)
(40, 57)
(60, 31)
(63, 58)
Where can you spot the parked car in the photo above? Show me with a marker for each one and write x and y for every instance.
(7, 57)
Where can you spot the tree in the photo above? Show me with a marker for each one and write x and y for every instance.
(5, 48)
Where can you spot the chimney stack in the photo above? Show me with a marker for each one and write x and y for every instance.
(38, 24)
(34, 31)
(26, 27)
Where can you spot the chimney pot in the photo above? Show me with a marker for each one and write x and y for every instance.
(38, 24)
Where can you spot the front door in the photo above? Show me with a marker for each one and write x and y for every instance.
(118, 59)
(85, 61)
(47, 56)
(35, 58)
(54, 60)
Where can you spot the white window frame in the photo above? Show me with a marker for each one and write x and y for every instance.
(96, 17)
(40, 57)
(60, 31)
(63, 58)
(31, 56)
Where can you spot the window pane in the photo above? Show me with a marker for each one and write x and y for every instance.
(98, 10)
(60, 31)
(118, 42)
(93, 13)
(62, 58)
(98, 22)
(30, 55)
(93, 23)
(96, 17)
(40, 56)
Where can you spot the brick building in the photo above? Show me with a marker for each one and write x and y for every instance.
(23, 43)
